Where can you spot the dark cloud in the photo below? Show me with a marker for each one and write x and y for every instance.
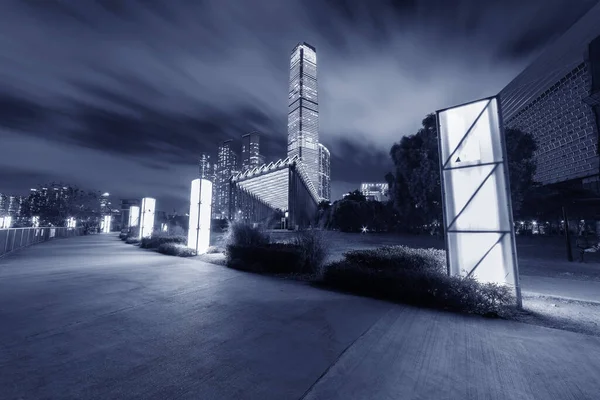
(143, 87)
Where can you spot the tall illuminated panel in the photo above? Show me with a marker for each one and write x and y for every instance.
(147, 217)
(480, 239)
(134, 216)
(200, 213)
(106, 223)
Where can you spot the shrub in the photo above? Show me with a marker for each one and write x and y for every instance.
(313, 250)
(415, 276)
(156, 240)
(176, 249)
(132, 240)
(266, 258)
(134, 232)
(213, 250)
(242, 234)
(399, 257)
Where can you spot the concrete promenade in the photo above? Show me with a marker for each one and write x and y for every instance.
(93, 318)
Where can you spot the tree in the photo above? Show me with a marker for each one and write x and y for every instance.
(520, 150)
(355, 196)
(415, 186)
(56, 202)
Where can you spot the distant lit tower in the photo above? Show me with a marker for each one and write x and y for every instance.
(250, 151)
(324, 187)
(226, 167)
(3, 204)
(205, 167)
(303, 112)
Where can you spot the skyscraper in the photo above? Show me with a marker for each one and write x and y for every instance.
(250, 151)
(226, 167)
(324, 187)
(303, 112)
(205, 167)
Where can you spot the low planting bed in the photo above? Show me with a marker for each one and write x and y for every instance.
(132, 240)
(273, 258)
(155, 241)
(176, 249)
(415, 276)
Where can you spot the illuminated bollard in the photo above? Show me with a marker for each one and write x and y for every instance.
(147, 217)
(200, 213)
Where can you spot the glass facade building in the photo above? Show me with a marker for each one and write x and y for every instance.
(324, 186)
(250, 151)
(303, 111)
(226, 168)
(375, 191)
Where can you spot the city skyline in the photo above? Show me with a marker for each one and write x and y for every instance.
(81, 116)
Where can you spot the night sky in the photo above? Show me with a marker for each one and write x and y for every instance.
(123, 96)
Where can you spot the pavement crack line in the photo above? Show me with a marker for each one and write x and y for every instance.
(339, 357)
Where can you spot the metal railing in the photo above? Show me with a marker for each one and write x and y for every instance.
(12, 239)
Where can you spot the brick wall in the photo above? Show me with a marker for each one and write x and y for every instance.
(564, 127)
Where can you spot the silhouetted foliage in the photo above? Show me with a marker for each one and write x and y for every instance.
(415, 276)
(55, 202)
(415, 186)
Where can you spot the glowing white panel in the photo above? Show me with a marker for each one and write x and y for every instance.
(35, 221)
(147, 217)
(200, 212)
(6, 222)
(106, 223)
(477, 211)
(134, 216)
(71, 222)
(164, 227)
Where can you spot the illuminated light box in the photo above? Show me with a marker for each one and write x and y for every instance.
(106, 223)
(200, 212)
(147, 217)
(134, 216)
(6, 222)
(71, 222)
(479, 230)
(164, 227)
(35, 221)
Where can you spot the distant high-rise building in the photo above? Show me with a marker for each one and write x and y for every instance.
(375, 191)
(324, 187)
(3, 204)
(14, 206)
(205, 167)
(226, 167)
(303, 112)
(261, 159)
(250, 151)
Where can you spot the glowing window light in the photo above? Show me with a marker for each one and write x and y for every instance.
(106, 223)
(35, 221)
(147, 217)
(200, 212)
(477, 210)
(134, 216)
(71, 222)
(6, 222)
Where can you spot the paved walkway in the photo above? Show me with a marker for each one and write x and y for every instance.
(93, 318)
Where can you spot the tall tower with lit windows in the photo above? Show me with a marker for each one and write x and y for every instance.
(303, 112)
